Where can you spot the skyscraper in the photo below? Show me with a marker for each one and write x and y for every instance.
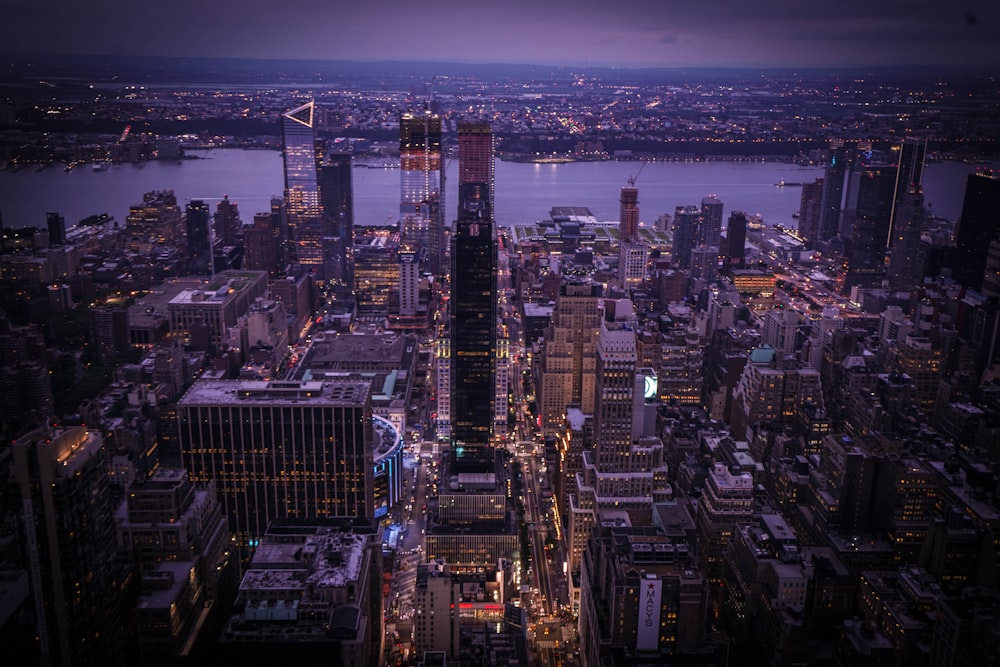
(473, 329)
(907, 253)
(977, 227)
(277, 450)
(421, 206)
(909, 176)
(840, 159)
(62, 478)
(302, 202)
(57, 229)
(809, 212)
(628, 213)
(710, 230)
(736, 239)
(476, 158)
(199, 237)
(867, 210)
(337, 201)
(686, 219)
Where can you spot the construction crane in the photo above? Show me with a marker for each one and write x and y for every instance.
(633, 179)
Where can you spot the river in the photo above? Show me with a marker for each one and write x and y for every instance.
(524, 191)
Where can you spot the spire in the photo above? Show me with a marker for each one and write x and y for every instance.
(302, 114)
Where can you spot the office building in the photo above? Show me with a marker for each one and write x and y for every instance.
(312, 595)
(336, 192)
(476, 158)
(907, 252)
(866, 215)
(810, 207)
(203, 315)
(642, 601)
(839, 164)
(685, 228)
(226, 222)
(175, 534)
(157, 221)
(473, 329)
(422, 174)
(79, 590)
(735, 244)
(199, 238)
(909, 176)
(710, 227)
(263, 245)
(377, 271)
(56, 226)
(280, 450)
(436, 610)
(569, 354)
(725, 503)
(302, 200)
(976, 228)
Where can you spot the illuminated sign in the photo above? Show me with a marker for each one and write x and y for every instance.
(648, 624)
(650, 388)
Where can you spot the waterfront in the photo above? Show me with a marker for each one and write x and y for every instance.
(524, 191)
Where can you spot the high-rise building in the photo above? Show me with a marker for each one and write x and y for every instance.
(810, 207)
(263, 244)
(473, 331)
(437, 605)
(840, 159)
(476, 158)
(156, 221)
(976, 228)
(568, 355)
(866, 213)
(907, 253)
(337, 200)
(302, 201)
(710, 229)
(736, 238)
(422, 174)
(57, 229)
(69, 536)
(176, 535)
(277, 450)
(909, 176)
(628, 213)
(199, 237)
(227, 223)
(685, 228)
(726, 502)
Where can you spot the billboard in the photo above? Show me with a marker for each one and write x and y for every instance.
(648, 623)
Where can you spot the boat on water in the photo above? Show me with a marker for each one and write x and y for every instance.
(782, 183)
(102, 165)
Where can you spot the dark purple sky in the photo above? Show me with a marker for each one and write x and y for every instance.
(626, 33)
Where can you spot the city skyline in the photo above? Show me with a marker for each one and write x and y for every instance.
(646, 34)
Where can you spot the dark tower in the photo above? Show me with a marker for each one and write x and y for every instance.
(710, 229)
(736, 240)
(57, 229)
(686, 219)
(909, 175)
(473, 329)
(866, 213)
(809, 212)
(228, 227)
(337, 201)
(476, 163)
(199, 241)
(977, 227)
(838, 170)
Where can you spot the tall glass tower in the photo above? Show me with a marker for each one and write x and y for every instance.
(473, 326)
(305, 215)
(421, 204)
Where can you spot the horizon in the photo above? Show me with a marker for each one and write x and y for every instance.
(585, 33)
